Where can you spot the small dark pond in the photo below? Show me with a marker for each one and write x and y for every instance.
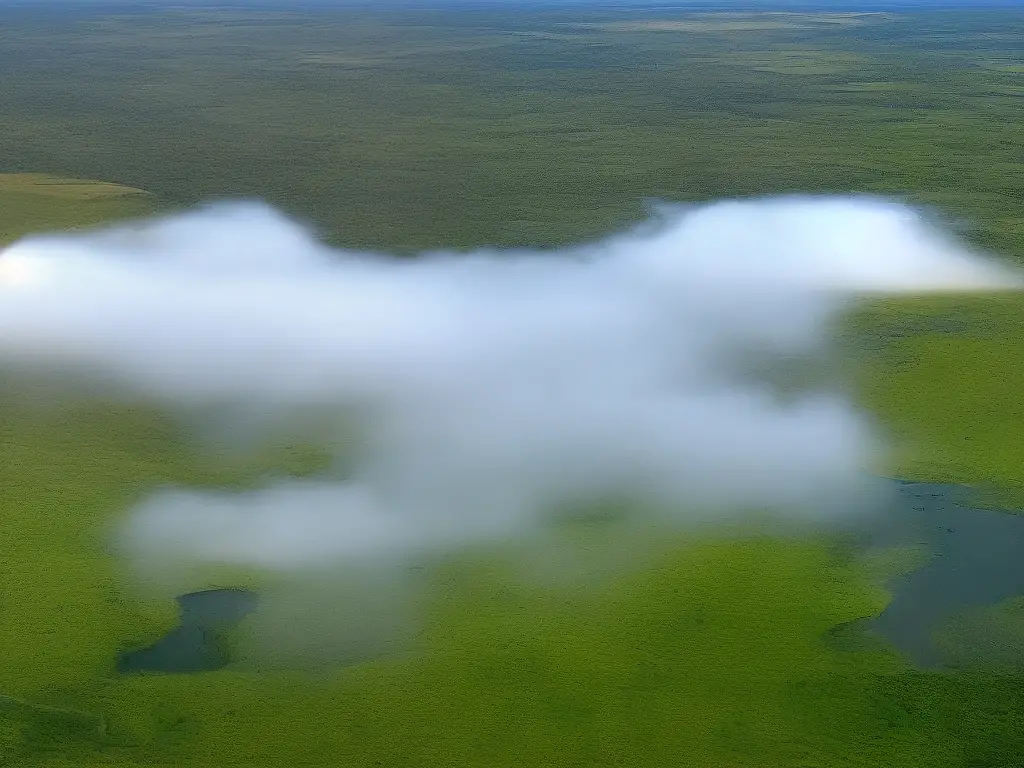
(196, 644)
(977, 560)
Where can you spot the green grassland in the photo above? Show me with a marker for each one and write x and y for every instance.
(409, 130)
(712, 655)
(35, 202)
(943, 374)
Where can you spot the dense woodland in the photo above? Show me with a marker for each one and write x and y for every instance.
(422, 129)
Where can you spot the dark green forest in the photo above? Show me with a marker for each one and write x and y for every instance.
(408, 130)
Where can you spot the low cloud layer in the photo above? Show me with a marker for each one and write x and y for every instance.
(474, 398)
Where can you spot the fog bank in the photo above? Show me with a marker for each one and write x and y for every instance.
(473, 398)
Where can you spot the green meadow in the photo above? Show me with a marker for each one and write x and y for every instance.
(942, 376)
(422, 129)
(36, 202)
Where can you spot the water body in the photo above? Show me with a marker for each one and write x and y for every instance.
(196, 644)
(977, 560)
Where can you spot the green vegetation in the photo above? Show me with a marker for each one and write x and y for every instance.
(987, 637)
(943, 374)
(408, 130)
(713, 655)
(421, 129)
(34, 202)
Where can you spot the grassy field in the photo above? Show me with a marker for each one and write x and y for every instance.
(420, 129)
(942, 375)
(713, 655)
(710, 656)
(35, 202)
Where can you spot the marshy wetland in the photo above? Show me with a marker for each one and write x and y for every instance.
(198, 643)
(960, 559)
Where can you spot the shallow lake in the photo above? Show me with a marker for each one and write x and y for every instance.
(977, 559)
(196, 644)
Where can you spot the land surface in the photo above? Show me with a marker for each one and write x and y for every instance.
(35, 202)
(411, 129)
(423, 129)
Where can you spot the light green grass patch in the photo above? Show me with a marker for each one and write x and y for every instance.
(64, 612)
(36, 202)
(943, 375)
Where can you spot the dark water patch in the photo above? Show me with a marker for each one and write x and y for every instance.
(197, 643)
(977, 560)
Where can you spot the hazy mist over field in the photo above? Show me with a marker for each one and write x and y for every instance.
(477, 397)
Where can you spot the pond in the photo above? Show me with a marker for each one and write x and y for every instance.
(197, 643)
(977, 559)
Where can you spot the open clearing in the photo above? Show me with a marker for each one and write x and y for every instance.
(36, 202)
